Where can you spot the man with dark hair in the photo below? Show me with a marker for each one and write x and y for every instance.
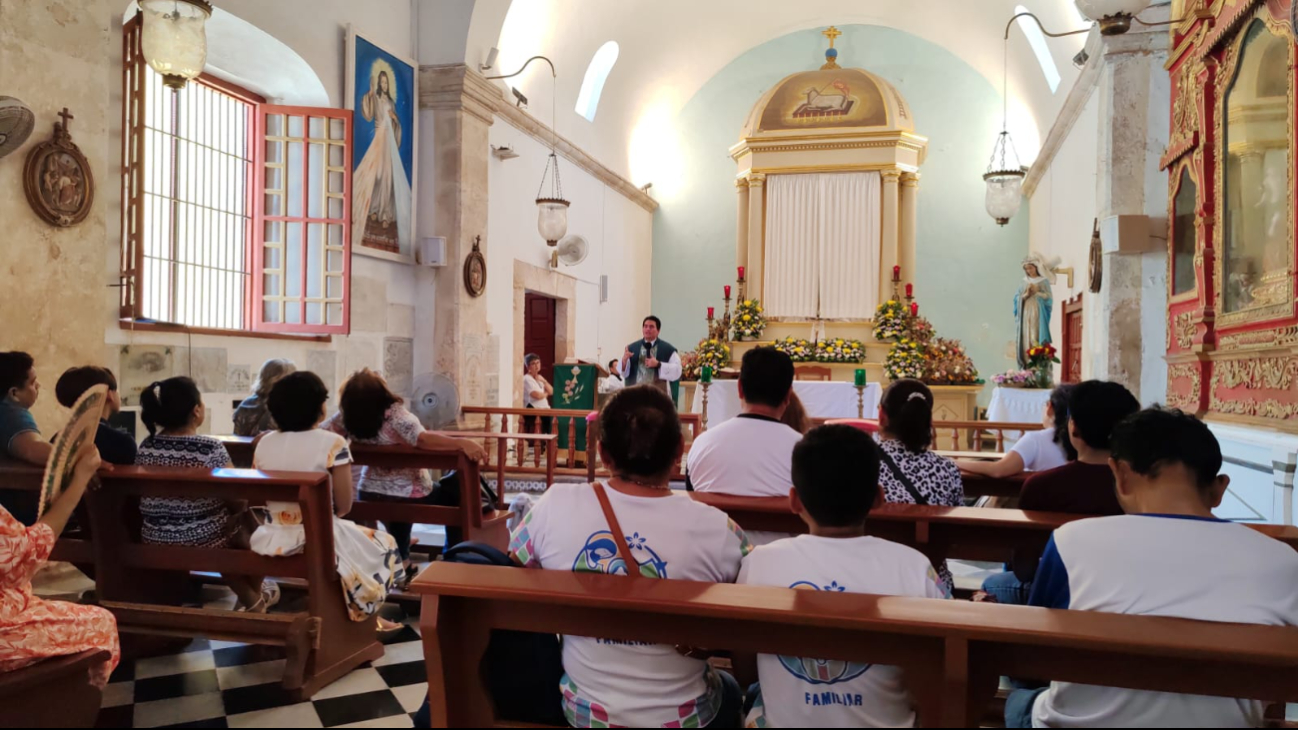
(750, 455)
(1083, 486)
(651, 360)
(835, 480)
(115, 447)
(1167, 556)
(19, 437)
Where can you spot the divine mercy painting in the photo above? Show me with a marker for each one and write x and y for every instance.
(381, 92)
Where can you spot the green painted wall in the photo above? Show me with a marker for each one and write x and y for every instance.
(968, 266)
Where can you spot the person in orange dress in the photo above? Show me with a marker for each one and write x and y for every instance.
(32, 629)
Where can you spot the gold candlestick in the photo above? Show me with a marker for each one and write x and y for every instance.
(860, 401)
(704, 417)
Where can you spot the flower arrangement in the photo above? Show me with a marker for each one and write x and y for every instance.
(840, 350)
(714, 353)
(798, 350)
(837, 350)
(906, 359)
(949, 363)
(891, 320)
(749, 322)
(1041, 357)
(1016, 379)
(690, 368)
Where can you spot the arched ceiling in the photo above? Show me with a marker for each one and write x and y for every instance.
(670, 48)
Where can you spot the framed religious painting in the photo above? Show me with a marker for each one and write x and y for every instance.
(57, 179)
(382, 92)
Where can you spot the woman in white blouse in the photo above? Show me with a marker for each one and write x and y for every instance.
(536, 393)
(1036, 450)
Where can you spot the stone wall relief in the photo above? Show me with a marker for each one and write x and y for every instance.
(57, 179)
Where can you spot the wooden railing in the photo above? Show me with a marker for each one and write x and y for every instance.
(578, 459)
(947, 435)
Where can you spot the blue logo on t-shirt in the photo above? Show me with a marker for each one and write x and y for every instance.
(822, 671)
(600, 555)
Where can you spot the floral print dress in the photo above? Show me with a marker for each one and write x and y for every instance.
(31, 629)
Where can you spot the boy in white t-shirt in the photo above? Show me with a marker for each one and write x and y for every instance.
(1168, 556)
(611, 683)
(835, 478)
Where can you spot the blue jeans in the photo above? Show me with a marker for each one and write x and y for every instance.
(1018, 707)
(1007, 588)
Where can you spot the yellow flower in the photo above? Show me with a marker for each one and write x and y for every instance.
(892, 302)
(838, 342)
(748, 317)
(759, 310)
(712, 342)
(748, 302)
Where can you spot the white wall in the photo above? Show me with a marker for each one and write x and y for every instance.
(1062, 215)
(619, 233)
(383, 293)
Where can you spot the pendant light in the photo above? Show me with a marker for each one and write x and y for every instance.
(551, 206)
(1004, 176)
(174, 38)
(1113, 16)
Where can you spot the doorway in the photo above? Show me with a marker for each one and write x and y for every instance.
(539, 331)
(1072, 350)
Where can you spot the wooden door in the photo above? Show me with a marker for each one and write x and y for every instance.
(1071, 353)
(539, 329)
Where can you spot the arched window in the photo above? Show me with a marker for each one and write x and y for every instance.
(1037, 40)
(596, 74)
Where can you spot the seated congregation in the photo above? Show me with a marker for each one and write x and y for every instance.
(1145, 481)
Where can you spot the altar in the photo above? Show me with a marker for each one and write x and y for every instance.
(821, 399)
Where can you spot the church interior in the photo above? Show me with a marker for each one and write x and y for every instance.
(965, 233)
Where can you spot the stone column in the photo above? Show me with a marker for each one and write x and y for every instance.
(741, 226)
(909, 219)
(1127, 320)
(460, 104)
(891, 232)
(756, 233)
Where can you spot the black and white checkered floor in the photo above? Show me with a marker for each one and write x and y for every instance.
(220, 684)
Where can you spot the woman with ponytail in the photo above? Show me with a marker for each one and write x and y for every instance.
(172, 410)
(662, 534)
(1036, 450)
(910, 472)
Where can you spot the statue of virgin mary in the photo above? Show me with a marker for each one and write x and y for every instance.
(1032, 307)
(381, 187)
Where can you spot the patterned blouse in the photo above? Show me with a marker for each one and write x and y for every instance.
(400, 427)
(204, 522)
(936, 478)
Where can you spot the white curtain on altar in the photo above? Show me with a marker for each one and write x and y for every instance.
(823, 238)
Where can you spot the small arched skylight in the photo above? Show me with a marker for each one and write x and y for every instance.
(596, 74)
(1037, 40)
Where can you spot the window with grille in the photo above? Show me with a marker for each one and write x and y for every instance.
(235, 212)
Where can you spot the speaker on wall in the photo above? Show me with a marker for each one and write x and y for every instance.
(431, 251)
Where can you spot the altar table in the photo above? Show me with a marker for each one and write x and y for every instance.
(829, 399)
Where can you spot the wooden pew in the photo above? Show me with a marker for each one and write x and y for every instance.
(953, 652)
(966, 533)
(55, 692)
(486, 527)
(70, 548)
(322, 643)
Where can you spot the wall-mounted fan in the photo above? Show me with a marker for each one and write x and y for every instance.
(435, 401)
(572, 250)
(16, 122)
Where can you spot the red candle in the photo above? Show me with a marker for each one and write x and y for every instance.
(727, 291)
(741, 273)
(910, 290)
(711, 311)
(914, 309)
(896, 273)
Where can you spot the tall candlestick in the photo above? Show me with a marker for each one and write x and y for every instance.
(727, 291)
(896, 273)
(712, 312)
(741, 273)
(914, 309)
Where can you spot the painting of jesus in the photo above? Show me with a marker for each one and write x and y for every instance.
(381, 93)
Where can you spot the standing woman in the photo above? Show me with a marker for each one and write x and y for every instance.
(252, 416)
(910, 472)
(536, 393)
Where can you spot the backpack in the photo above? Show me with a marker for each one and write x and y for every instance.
(522, 670)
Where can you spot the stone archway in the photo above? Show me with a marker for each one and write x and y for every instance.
(560, 287)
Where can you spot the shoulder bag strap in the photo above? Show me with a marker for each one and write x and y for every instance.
(901, 477)
(619, 537)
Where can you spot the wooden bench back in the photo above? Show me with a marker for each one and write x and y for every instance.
(969, 533)
(953, 653)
